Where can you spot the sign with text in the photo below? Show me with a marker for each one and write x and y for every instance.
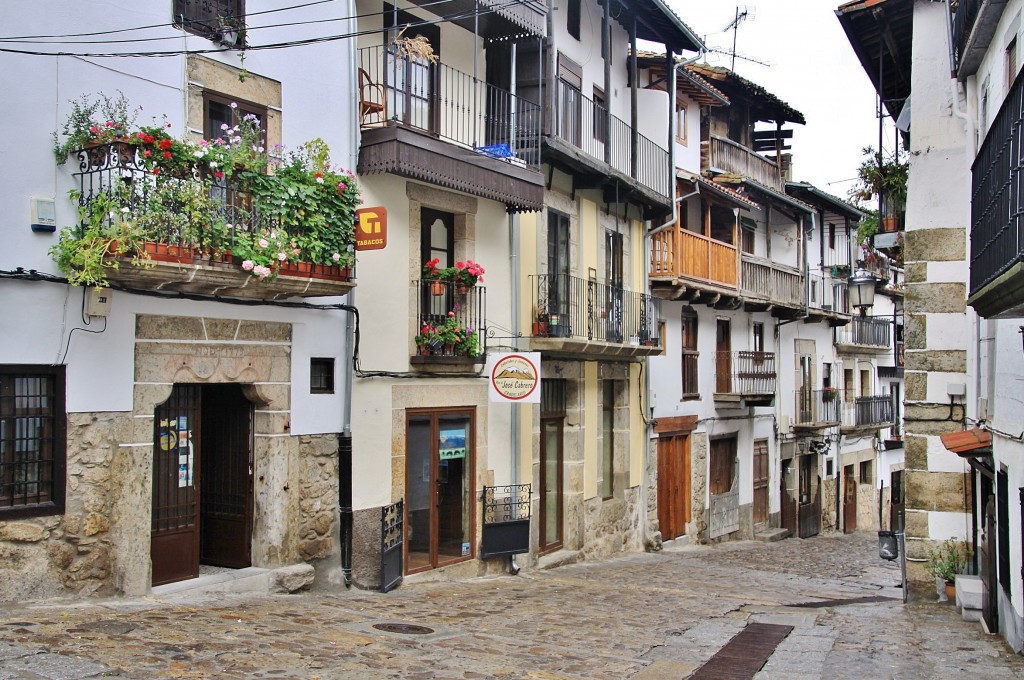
(371, 228)
(514, 377)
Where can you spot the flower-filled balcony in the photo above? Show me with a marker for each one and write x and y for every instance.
(578, 317)
(817, 409)
(220, 218)
(423, 119)
(868, 413)
(744, 379)
(450, 322)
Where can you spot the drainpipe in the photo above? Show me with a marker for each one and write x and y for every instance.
(345, 443)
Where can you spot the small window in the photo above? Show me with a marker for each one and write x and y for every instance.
(600, 117)
(321, 375)
(572, 21)
(1011, 63)
(32, 440)
(829, 469)
(831, 236)
(688, 332)
(758, 337)
(681, 124)
(865, 471)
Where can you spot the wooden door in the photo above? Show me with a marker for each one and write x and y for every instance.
(673, 485)
(987, 566)
(849, 500)
(174, 533)
(225, 505)
(761, 481)
(723, 361)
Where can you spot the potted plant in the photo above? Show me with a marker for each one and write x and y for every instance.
(94, 121)
(945, 561)
(829, 394)
(882, 176)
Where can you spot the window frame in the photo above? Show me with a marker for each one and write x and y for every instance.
(719, 462)
(53, 501)
(689, 329)
(681, 131)
(326, 372)
(211, 24)
(573, 18)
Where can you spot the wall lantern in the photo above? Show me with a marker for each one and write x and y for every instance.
(862, 289)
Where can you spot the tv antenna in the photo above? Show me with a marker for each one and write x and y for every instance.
(743, 12)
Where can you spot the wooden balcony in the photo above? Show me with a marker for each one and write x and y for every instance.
(767, 286)
(682, 260)
(725, 155)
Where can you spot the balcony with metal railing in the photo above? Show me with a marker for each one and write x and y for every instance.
(744, 379)
(828, 299)
(997, 214)
(975, 23)
(817, 409)
(771, 286)
(432, 122)
(865, 334)
(867, 413)
(581, 317)
(724, 155)
(602, 147)
(451, 323)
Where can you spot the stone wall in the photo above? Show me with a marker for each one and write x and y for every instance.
(699, 452)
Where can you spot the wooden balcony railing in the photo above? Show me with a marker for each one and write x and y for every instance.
(682, 253)
(725, 154)
(769, 281)
(745, 373)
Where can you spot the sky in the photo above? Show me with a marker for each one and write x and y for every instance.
(812, 68)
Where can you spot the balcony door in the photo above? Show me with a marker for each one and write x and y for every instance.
(723, 350)
(558, 273)
(613, 279)
(437, 241)
(570, 105)
(550, 478)
(761, 482)
(413, 83)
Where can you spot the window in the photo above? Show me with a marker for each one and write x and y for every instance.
(558, 273)
(829, 469)
(758, 337)
(1011, 63)
(220, 20)
(321, 375)
(826, 375)
(220, 111)
(572, 20)
(723, 464)
(681, 124)
(600, 121)
(607, 471)
(723, 224)
(865, 471)
(688, 331)
(32, 440)
(831, 236)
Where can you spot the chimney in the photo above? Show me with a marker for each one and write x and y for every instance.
(787, 167)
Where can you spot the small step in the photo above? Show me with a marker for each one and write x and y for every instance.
(771, 535)
(968, 597)
(560, 558)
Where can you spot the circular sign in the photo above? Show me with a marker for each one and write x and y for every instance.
(514, 377)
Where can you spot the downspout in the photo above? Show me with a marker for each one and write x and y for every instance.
(345, 442)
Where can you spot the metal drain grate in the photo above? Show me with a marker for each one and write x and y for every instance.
(745, 654)
(403, 628)
(818, 604)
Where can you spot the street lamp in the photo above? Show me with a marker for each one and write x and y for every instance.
(862, 290)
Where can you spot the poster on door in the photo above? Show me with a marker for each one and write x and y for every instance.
(452, 444)
(176, 438)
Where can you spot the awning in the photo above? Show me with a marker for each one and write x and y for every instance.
(727, 195)
(969, 443)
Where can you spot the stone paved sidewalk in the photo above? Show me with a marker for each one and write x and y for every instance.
(643, 616)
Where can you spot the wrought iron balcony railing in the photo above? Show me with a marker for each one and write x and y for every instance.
(451, 319)
(997, 199)
(818, 408)
(454, 106)
(963, 20)
(866, 332)
(589, 127)
(868, 411)
(745, 373)
(568, 306)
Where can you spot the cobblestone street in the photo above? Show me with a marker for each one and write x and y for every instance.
(644, 616)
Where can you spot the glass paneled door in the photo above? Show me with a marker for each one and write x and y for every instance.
(439, 489)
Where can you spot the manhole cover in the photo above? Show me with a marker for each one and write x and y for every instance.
(403, 628)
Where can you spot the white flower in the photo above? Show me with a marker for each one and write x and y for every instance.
(336, 257)
(125, 210)
(234, 105)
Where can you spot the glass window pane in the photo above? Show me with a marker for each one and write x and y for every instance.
(454, 486)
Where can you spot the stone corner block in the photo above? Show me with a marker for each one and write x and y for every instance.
(292, 578)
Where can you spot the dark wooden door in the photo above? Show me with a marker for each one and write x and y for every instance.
(673, 485)
(225, 505)
(723, 361)
(761, 481)
(849, 500)
(174, 537)
(987, 567)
